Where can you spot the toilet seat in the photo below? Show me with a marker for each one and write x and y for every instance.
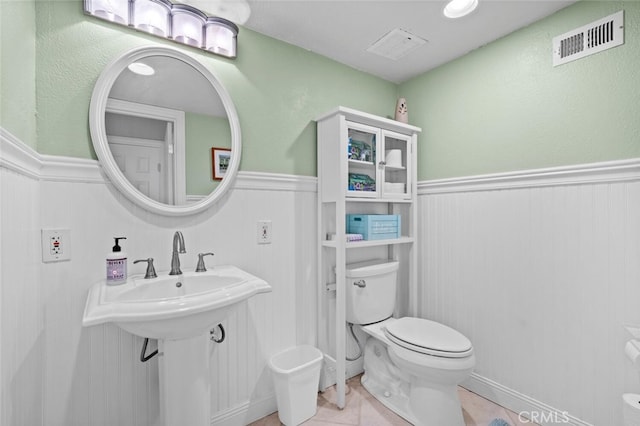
(428, 337)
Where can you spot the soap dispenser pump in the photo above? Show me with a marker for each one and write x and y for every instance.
(117, 264)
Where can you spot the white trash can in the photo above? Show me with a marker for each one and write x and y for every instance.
(296, 374)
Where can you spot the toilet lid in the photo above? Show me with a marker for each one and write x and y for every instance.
(428, 337)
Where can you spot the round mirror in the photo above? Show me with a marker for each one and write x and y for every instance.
(165, 131)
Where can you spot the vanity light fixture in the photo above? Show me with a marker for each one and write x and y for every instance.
(459, 8)
(111, 10)
(181, 23)
(187, 25)
(221, 37)
(152, 16)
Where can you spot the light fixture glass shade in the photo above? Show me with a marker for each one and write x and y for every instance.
(187, 25)
(152, 16)
(110, 10)
(181, 23)
(459, 8)
(221, 37)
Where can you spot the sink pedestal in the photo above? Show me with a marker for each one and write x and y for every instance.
(179, 311)
(185, 381)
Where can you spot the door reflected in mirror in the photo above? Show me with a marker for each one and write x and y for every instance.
(161, 125)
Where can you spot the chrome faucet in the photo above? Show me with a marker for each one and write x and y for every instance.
(178, 247)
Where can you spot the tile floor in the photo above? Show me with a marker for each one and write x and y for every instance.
(364, 410)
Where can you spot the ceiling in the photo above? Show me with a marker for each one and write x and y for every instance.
(175, 85)
(343, 29)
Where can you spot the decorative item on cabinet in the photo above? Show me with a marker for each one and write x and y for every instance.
(402, 114)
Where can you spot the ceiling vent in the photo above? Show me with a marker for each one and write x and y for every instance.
(592, 38)
(396, 44)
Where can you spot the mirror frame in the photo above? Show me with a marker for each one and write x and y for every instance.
(98, 132)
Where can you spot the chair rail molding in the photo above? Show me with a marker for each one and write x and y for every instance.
(21, 158)
(581, 174)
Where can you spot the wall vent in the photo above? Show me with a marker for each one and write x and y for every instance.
(592, 38)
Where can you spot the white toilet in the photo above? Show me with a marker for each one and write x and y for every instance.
(411, 365)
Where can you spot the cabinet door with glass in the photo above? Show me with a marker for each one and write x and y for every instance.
(379, 163)
(363, 168)
(396, 170)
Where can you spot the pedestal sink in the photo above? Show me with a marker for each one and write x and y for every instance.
(179, 311)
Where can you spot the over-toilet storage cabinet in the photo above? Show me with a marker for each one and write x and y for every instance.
(366, 165)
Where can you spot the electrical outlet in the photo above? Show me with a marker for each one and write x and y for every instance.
(56, 245)
(264, 232)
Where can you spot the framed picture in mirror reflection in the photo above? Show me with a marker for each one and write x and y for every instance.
(220, 158)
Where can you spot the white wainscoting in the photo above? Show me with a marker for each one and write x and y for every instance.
(57, 373)
(22, 304)
(541, 270)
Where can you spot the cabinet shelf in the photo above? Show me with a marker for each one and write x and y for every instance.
(361, 163)
(370, 243)
(352, 199)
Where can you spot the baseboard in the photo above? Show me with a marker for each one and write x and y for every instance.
(246, 413)
(539, 412)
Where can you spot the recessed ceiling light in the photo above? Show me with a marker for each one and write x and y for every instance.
(141, 69)
(459, 8)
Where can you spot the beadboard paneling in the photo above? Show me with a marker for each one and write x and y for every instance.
(541, 277)
(540, 270)
(22, 329)
(57, 373)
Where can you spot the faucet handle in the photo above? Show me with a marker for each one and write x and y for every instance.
(151, 271)
(200, 267)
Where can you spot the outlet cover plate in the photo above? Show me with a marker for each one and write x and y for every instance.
(56, 245)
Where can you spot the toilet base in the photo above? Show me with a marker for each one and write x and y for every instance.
(385, 382)
(419, 402)
(436, 405)
(397, 403)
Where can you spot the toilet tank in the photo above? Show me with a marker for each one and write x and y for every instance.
(371, 290)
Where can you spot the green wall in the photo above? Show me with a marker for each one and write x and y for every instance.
(503, 107)
(203, 133)
(18, 70)
(277, 89)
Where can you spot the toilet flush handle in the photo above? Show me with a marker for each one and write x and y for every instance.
(360, 283)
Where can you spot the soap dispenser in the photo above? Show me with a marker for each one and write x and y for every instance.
(117, 264)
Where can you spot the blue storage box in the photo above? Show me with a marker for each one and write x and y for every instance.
(374, 226)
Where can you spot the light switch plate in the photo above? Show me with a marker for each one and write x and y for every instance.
(264, 232)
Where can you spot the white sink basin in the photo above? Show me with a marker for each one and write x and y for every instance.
(172, 306)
